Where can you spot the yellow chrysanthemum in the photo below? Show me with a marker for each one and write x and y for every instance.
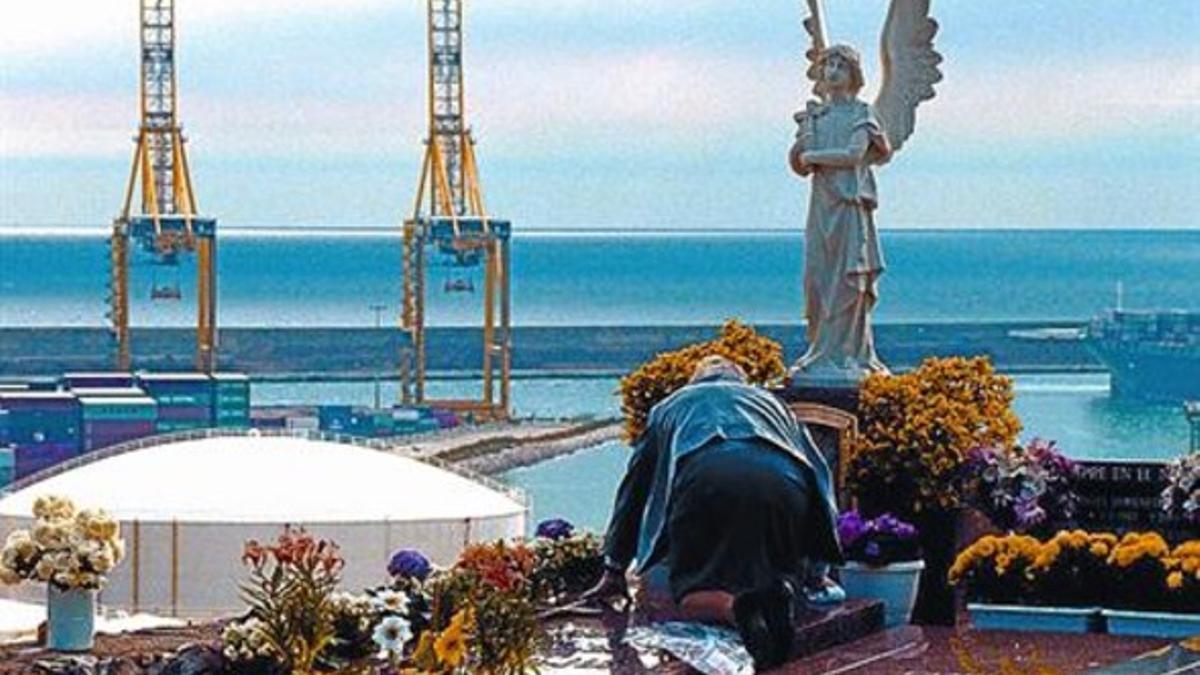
(1175, 580)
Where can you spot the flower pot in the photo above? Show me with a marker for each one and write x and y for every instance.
(1042, 619)
(72, 619)
(894, 584)
(939, 537)
(1152, 624)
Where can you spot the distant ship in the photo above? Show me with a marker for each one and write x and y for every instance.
(1152, 355)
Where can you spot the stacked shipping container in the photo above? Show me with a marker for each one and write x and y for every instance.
(369, 422)
(118, 380)
(185, 400)
(112, 420)
(231, 400)
(42, 428)
(7, 467)
(41, 425)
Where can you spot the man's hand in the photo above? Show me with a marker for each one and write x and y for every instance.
(610, 587)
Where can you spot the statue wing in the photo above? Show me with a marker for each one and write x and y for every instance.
(814, 25)
(910, 68)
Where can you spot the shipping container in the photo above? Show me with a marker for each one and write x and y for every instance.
(101, 442)
(303, 423)
(231, 379)
(103, 433)
(109, 392)
(31, 458)
(407, 414)
(231, 386)
(171, 426)
(35, 417)
(8, 457)
(117, 426)
(190, 413)
(38, 400)
(115, 408)
(335, 418)
(93, 380)
(43, 384)
(190, 389)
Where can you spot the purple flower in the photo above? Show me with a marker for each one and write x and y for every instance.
(906, 531)
(886, 524)
(1029, 513)
(409, 564)
(872, 550)
(850, 527)
(555, 529)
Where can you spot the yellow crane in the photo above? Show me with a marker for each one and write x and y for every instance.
(449, 220)
(167, 225)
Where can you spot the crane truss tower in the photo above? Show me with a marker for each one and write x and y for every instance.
(449, 219)
(167, 225)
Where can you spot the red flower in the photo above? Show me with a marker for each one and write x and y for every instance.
(253, 553)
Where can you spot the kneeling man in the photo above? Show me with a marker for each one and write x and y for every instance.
(727, 490)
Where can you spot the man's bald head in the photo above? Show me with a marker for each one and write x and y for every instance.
(714, 365)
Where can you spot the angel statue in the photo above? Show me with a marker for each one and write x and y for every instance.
(840, 138)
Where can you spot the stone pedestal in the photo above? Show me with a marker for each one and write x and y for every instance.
(841, 397)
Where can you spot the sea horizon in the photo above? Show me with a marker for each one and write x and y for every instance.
(542, 231)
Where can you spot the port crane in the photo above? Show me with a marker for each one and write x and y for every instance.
(167, 226)
(449, 222)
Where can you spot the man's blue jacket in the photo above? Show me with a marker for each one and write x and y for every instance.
(716, 407)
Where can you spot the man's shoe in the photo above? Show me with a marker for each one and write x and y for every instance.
(828, 593)
(780, 613)
(752, 627)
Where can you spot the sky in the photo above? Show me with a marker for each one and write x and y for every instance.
(645, 114)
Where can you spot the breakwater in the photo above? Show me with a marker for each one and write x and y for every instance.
(359, 353)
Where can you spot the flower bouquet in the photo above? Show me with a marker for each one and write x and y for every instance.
(72, 552)
(878, 541)
(291, 621)
(567, 562)
(997, 570)
(760, 357)
(917, 432)
(1024, 488)
(1181, 497)
(1071, 569)
(884, 562)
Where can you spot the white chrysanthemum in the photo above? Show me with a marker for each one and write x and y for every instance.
(49, 508)
(51, 535)
(9, 576)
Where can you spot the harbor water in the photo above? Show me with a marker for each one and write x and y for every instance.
(299, 279)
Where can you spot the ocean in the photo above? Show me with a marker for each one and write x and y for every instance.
(305, 278)
(288, 278)
(1072, 409)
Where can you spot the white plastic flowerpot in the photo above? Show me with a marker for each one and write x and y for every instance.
(71, 620)
(894, 584)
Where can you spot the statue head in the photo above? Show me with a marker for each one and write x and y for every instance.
(717, 368)
(838, 68)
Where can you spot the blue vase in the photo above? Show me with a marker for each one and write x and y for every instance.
(894, 584)
(72, 619)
